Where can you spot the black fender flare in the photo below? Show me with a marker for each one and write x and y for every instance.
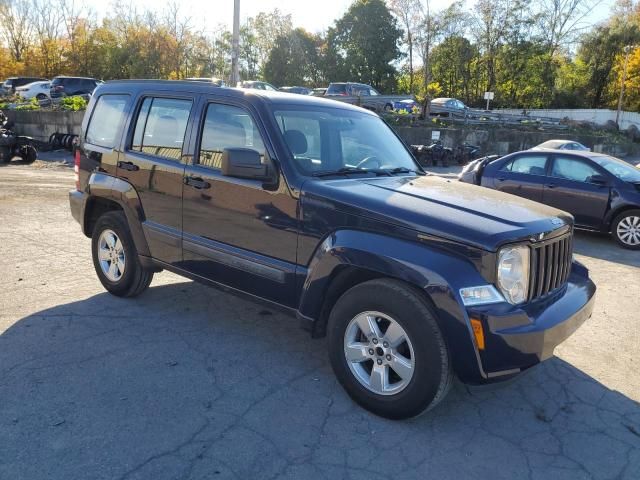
(124, 194)
(437, 273)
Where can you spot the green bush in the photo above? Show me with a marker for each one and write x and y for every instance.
(73, 103)
(33, 104)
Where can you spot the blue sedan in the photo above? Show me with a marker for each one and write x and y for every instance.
(601, 192)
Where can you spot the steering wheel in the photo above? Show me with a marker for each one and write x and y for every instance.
(372, 158)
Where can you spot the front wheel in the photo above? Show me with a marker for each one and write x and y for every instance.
(115, 258)
(626, 229)
(387, 350)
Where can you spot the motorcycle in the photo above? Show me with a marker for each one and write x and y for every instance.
(12, 145)
(431, 155)
(465, 153)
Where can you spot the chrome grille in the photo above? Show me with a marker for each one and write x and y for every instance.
(550, 265)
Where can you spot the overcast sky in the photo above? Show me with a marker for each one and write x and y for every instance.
(313, 15)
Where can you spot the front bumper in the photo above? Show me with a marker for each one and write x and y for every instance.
(519, 337)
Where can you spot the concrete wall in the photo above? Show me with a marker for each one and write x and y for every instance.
(501, 141)
(41, 124)
(597, 116)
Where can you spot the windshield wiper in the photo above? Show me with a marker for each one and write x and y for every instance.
(405, 170)
(344, 171)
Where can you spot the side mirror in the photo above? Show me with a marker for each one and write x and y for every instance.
(244, 163)
(598, 179)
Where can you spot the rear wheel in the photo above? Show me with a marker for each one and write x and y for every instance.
(41, 96)
(115, 257)
(626, 229)
(387, 351)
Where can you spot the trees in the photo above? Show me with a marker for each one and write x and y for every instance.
(293, 60)
(364, 43)
(408, 13)
(15, 27)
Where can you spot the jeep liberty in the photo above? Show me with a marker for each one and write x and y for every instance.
(317, 208)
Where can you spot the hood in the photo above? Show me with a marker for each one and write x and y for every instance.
(437, 206)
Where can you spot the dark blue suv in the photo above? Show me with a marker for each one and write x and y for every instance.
(601, 192)
(317, 208)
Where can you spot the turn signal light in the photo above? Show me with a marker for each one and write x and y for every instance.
(478, 332)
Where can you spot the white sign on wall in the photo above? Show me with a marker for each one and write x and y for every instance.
(435, 135)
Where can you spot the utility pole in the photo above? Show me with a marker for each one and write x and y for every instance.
(627, 51)
(235, 44)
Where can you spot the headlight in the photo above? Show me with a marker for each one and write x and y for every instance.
(513, 273)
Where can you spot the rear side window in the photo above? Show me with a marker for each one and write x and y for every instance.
(529, 165)
(161, 126)
(107, 120)
(571, 169)
(226, 126)
(337, 89)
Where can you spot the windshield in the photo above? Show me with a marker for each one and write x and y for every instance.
(331, 139)
(619, 168)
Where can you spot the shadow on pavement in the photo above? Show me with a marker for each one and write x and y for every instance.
(603, 247)
(188, 382)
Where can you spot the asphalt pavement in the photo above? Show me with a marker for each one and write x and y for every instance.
(186, 382)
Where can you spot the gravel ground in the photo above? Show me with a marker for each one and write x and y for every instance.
(186, 382)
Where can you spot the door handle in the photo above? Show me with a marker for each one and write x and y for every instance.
(501, 179)
(551, 185)
(129, 166)
(197, 182)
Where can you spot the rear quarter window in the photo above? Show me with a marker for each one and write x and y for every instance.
(107, 120)
(337, 89)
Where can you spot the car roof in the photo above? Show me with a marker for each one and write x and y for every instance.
(81, 78)
(267, 96)
(557, 142)
(578, 153)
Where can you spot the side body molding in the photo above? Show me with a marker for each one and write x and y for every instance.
(124, 194)
(420, 265)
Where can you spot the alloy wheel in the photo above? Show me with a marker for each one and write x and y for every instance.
(379, 353)
(111, 255)
(628, 230)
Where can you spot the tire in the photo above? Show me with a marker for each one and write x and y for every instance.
(5, 155)
(41, 96)
(420, 388)
(626, 229)
(388, 108)
(29, 154)
(130, 280)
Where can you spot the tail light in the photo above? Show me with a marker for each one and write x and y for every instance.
(76, 169)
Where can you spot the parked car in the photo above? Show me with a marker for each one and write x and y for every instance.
(408, 105)
(318, 209)
(562, 145)
(10, 84)
(69, 86)
(364, 96)
(256, 85)
(601, 192)
(318, 92)
(298, 90)
(39, 90)
(448, 107)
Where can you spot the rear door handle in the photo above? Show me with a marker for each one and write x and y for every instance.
(551, 185)
(501, 179)
(197, 182)
(129, 166)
